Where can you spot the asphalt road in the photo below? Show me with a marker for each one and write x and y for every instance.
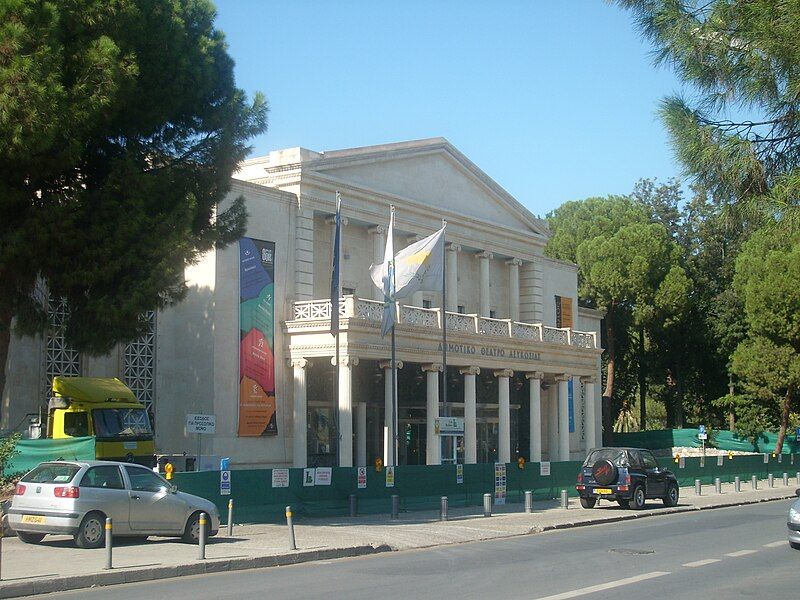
(729, 553)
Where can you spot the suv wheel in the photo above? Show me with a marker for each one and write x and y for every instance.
(588, 502)
(637, 501)
(671, 499)
(92, 531)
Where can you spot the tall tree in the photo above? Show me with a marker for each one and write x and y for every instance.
(740, 137)
(120, 126)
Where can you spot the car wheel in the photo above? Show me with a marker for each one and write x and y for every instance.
(671, 499)
(191, 535)
(92, 531)
(637, 501)
(795, 545)
(624, 503)
(30, 538)
(588, 502)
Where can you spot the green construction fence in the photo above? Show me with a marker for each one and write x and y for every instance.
(721, 439)
(421, 487)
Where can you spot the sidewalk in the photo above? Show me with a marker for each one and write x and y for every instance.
(56, 565)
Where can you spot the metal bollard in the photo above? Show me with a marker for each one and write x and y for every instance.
(797, 478)
(528, 501)
(564, 499)
(737, 484)
(487, 505)
(109, 543)
(718, 485)
(698, 487)
(443, 509)
(785, 479)
(353, 505)
(1, 551)
(754, 482)
(201, 552)
(395, 506)
(230, 517)
(290, 524)
(771, 480)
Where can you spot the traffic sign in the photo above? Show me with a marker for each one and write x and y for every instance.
(701, 428)
(201, 424)
(224, 483)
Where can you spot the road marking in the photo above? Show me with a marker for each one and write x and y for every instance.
(775, 544)
(605, 586)
(702, 563)
(741, 553)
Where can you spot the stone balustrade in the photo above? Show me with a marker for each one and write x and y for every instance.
(352, 307)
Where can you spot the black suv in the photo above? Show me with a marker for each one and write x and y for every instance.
(627, 475)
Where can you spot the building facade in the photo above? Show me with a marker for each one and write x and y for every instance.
(523, 360)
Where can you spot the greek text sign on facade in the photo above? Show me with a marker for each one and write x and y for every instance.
(256, 345)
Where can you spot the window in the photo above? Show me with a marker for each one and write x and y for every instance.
(131, 423)
(139, 363)
(427, 304)
(76, 424)
(51, 473)
(649, 460)
(563, 312)
(461, 309)
(144, 480)
(492, 314)
(103, 477)
(346, 291)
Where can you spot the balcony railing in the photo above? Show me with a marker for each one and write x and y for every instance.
(352, 307)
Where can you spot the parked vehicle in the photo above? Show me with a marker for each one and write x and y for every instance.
(627, 475)
(74, 498)
(793, 523)
(106, 409)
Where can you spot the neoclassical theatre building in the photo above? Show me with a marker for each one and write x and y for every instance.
(252, 344)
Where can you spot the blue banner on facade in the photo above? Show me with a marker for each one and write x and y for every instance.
(570, 397)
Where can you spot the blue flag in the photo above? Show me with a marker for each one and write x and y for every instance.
(335, 269)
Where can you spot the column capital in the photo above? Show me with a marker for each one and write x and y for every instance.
(301, 363)
(433, 367)
(345, 361)
(387, 364)
(452, 247)
(514, 262)
(484, 254)
(534, 375)
(563, 377)
(331, 220)
(588, 379)
(470, 371)
(504, 373)
(377, 229)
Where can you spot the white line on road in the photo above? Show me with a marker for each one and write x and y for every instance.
(605, 586)
(741, 553)
(702, 563)
(775, 544)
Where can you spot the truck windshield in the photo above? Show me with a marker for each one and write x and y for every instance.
(121, 423)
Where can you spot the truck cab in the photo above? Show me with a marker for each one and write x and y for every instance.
(106, 409)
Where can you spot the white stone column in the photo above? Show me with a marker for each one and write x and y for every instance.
(485, 283)
(361, 434)
(451, 257)
(346, 364)
(504, 415)
(563, 416)
(299, 414)
(470, 415)
(513, 288)
(552, 422)
(389, 448)
(535, 397)
(590, 412)
(433, 452)
(378, 250)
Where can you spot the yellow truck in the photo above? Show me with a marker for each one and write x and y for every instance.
(106, 409)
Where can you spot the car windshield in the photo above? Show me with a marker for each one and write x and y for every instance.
(615, 455)
(121, 423)
(52, 473)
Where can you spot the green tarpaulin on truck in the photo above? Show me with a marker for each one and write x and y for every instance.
(32, 452)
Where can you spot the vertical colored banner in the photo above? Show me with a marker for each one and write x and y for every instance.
(571, 404)
(256, 338)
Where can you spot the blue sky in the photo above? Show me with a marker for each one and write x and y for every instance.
(555, 100)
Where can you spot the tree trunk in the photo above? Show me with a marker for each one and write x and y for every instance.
(608, 420)
(679, 397)
(5, 341)
(787, 408)
(642, 383)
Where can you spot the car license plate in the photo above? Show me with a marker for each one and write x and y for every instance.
(33, 519)
(602, 491)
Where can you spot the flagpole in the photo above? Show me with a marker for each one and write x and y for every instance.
(445, 407)
(335, 307)
(394, 358)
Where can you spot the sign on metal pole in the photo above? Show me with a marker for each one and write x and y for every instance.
(459, 473)
(224, 483)
(448, 426)
(362, 478)
(201, 424)
(499, 483)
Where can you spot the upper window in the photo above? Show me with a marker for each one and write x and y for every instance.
(427, 304)
(76, 424)
(462, 309)
(346, 291)
(492, 314)
(103, 477)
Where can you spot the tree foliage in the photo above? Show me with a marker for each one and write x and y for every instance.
(120, 126)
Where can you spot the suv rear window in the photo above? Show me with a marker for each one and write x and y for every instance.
(52, 473)
(615, 455)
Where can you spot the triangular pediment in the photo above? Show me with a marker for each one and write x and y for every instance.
(431, 172)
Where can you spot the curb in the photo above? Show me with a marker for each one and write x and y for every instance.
(120, 576)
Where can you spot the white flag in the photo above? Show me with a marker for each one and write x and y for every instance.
(385, 280)
(416, 268)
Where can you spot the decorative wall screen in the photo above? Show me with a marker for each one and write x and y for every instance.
(60, 359)
(139, 363)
